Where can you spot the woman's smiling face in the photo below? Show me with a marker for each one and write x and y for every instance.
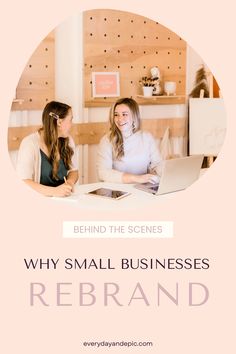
(123, 118)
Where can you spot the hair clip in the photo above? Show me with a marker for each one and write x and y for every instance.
(54, 115)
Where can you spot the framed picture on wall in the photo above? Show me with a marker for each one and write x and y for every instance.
(105, 84)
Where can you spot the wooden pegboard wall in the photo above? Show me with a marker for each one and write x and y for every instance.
(36, 85)
(131, 44)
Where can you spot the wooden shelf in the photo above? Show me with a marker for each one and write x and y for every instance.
(141, 100)
(176, 99)
(101, 102)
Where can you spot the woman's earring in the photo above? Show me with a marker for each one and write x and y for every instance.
(133, 126)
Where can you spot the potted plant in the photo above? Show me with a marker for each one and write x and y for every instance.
(148, 84)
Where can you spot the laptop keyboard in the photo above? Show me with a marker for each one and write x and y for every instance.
(148, 187)
(154, 187)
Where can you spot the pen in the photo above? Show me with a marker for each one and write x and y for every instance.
(65, 180)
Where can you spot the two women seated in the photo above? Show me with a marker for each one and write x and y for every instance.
(47, 162)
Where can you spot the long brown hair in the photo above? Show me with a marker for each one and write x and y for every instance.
(115, 135)
(58, 147)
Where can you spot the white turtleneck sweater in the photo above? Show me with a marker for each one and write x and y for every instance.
(141, 156)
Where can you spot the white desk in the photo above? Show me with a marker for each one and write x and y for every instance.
(135, 200)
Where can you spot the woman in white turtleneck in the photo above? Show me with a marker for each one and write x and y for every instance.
(127, 154)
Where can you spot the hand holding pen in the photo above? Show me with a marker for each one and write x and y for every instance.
(69, 185)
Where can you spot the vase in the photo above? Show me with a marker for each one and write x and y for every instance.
(170, 87)
(147, 91)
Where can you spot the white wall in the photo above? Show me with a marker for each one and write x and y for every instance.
(69, 64)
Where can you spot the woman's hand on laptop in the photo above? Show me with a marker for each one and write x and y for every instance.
(155, 179)
(147, 178)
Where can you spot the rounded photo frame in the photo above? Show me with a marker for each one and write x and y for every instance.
(182, 125)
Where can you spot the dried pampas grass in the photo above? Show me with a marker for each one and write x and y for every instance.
(200, 84)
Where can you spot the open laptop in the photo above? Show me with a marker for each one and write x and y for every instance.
(177, 174)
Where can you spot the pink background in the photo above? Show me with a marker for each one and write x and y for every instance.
(204, 216)
(106, 84)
